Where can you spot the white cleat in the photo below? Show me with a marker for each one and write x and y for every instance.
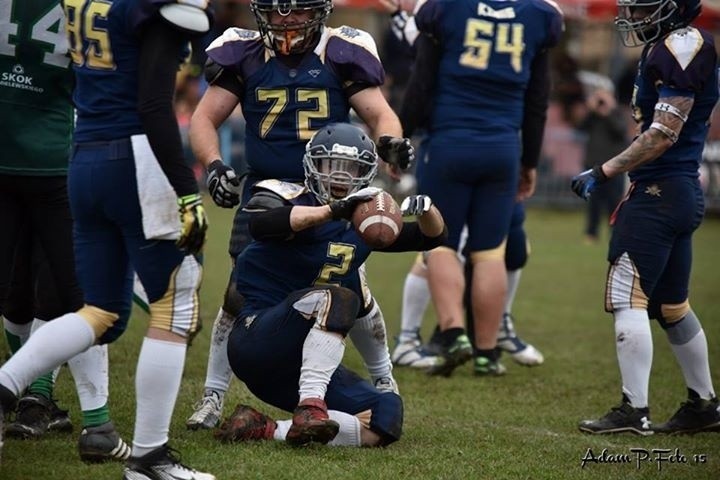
(508, 341)
(207, 412)
(387, 385)
(412, 354)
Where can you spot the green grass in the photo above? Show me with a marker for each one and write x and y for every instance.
(521, 426)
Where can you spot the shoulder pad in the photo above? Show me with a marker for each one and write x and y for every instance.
(684, 44)
(188, 16)
(354, 36)
(233, 34)
(233, 45)
(284, 190)
(262, 201)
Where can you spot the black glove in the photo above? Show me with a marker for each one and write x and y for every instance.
(584, 183)
(415, 205)
(396, 151)
(344, 208)
(223, 184)
(193, 224)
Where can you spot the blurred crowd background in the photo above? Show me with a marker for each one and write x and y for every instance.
(589, 65)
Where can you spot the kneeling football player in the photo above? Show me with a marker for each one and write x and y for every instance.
(303, 286)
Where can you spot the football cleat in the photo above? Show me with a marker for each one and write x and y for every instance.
(101, 444)
(246, 424)
(59, 420)
(161, 464)
(459, 352)
(387, 385)
(695, 415)
(412, 353)
(483, 366)
(311, 423)
(207, 411)
(32, 418)
(620, 419)
(508, 341)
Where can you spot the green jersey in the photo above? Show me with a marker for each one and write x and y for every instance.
(36, 114)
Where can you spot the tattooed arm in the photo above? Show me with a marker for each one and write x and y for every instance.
(670, 116)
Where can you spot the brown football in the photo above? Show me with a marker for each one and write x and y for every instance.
(378, 221)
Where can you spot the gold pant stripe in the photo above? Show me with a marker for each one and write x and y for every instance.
(497, 253)
(676, 312)
(100, 320)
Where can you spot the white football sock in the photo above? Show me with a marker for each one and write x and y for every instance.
(513, 277)
(49, 347)
(322, 353)
(693, 359)
(157, 382)
(349, 433)
(416, 297)
(370, 339)
(37, 323)
(90, 371)
(633, 341)
(281, 431)
(219, 373)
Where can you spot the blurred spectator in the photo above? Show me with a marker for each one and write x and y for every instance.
(606, 127)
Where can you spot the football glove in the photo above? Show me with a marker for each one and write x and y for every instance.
(398, 21)
(415, 205)
(584, 183)
(343, 209)
(396, 151)
(223, 184)
(193, 224)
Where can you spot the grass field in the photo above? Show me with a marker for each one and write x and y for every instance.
(521, 426)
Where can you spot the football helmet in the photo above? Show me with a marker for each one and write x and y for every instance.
(641, 22)
(339, 159)
(290, 35)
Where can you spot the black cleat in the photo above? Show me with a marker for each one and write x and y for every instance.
(694, 416)
(620, 419)
(161, 464)
(32, 418)
(101, 444)
(459, 352)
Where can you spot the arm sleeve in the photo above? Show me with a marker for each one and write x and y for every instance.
(536, 104)
(159, 56)
(414, 112)
(411, 239)
(269, 216)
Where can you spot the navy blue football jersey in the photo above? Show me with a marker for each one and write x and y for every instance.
(683, 63)
(283, 106)
(488, 48)
(332, 253)
(104, 46)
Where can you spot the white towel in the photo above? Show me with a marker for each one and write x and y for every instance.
(158, 201)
